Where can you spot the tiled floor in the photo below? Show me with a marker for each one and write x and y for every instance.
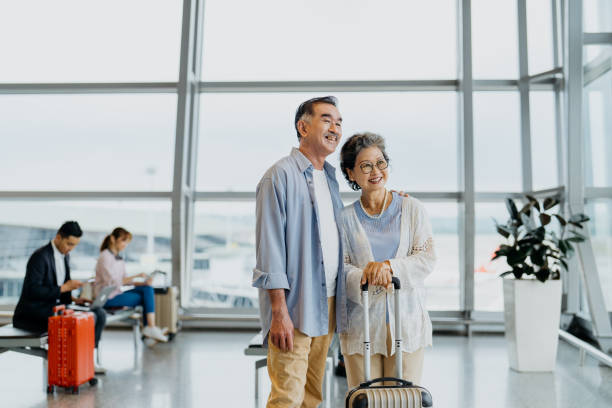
(208, 369)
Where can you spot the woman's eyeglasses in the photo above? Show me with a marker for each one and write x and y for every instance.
(367, 167)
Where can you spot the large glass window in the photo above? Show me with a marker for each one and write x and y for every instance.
(597, 131)
(28, 225)
(443, 284)
(276, 40)
(90, 41)
(600, 227)
(543, 140)
(540, 35)
(497, 150)
(596, 54)
(113, 141)
(494, 39)
(224, 255)
(242, 135)
(488, 293)
(87, 142)
(597, 16)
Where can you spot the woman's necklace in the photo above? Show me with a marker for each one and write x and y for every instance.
(381, 210)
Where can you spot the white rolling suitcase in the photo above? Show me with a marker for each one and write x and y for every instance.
(402, 395)
(167, 309)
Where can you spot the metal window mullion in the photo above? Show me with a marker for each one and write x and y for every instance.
(597, 192)
(466, 216)
(438, 196)
(597, 38)
(560, 141)
(88, 88)
(587, 145)
(549, 76)
(85, 195)
(196, 66)
(328, 86)
(186, 124)
(557, 61)
(597, 68)
(192, 151)
(430, 196)
(441, 85)
(554, 6)
(574, 286)
(574, 103)
(558, 55)
(526, 160)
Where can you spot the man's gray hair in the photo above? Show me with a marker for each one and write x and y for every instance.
(305, 110)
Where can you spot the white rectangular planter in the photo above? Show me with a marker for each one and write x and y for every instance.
(532, 311)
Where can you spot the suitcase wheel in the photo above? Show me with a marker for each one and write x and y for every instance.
(171, 336)
(50, 389)
(361, 401)
(93, 381)
(426, 399)
(75, 390)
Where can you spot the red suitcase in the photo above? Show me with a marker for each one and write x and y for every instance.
(71, 346)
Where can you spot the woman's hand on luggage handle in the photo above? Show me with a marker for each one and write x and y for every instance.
(377, 273)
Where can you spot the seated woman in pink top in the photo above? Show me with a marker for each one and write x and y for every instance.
(110, 271)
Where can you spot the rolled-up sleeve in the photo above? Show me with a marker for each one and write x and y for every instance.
(270, 271)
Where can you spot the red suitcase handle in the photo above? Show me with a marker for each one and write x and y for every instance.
(61, 308)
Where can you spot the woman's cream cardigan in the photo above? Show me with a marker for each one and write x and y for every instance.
(414, 260)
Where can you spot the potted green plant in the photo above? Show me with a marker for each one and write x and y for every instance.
(539, 242)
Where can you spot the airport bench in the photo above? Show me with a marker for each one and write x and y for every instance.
(25, 342)
(256, 348)
(132, 317)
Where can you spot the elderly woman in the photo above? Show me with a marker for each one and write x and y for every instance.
(385, 235)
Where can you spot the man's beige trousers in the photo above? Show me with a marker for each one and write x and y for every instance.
(297, 376)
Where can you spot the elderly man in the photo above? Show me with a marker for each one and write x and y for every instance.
(299, 258)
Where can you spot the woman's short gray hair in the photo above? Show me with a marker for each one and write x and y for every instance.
(351, 148)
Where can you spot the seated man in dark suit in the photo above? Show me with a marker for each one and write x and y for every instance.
(47, 283)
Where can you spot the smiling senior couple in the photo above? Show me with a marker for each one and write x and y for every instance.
(313, 254)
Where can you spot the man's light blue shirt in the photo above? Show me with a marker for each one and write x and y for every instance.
(288, 246)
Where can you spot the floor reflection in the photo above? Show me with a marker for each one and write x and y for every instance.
(208, 368)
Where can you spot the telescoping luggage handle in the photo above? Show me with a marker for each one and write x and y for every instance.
(398, 336)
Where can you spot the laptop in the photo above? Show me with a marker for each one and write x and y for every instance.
(99, 301)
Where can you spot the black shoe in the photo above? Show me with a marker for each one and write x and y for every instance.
(340, 369)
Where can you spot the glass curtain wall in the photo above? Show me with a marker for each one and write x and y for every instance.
(597, 123)
(105, 125)
(243, 132)
(393, 79)
(87, 130)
